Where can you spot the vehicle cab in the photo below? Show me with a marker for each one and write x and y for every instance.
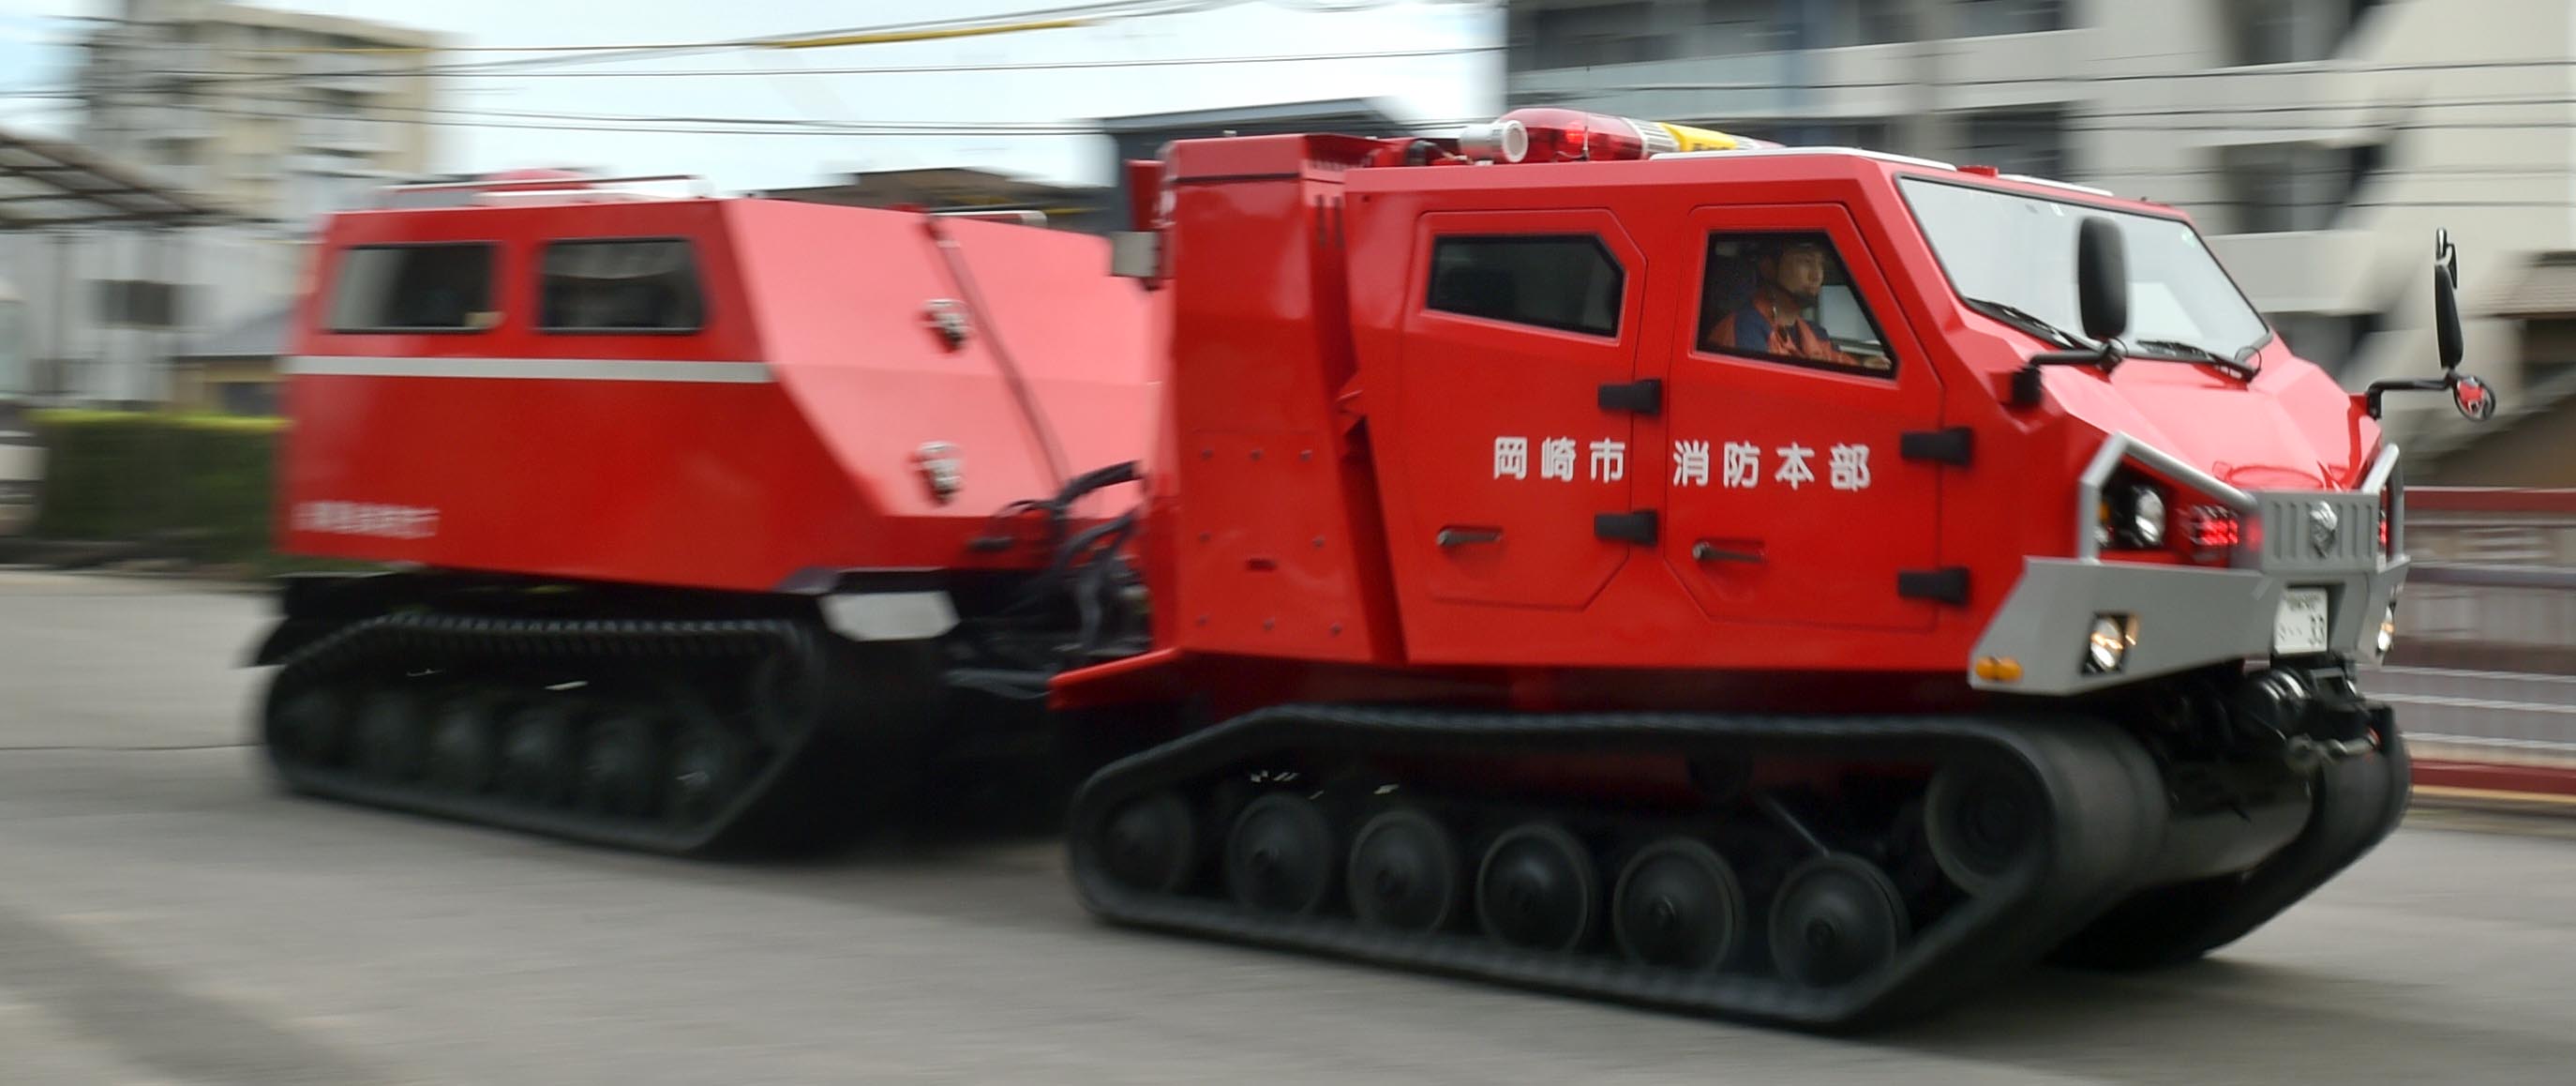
(1646, 397)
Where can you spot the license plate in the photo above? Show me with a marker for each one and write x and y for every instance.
(2301, 626)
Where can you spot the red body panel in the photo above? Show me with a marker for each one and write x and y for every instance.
(1266, 510)
(807, 462)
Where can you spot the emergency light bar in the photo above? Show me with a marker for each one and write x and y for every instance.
(1550, 134)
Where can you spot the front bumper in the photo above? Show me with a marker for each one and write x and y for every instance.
(2188, 617)
(2184, 617)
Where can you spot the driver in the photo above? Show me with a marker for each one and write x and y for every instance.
(1772, 321)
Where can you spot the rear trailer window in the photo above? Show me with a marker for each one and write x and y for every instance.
(624, 285)
(414, 288)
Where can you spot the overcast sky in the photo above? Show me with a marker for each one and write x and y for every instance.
(35, 55)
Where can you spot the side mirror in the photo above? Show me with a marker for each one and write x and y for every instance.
(2102, 279)
(2446, 315)
(2477, 402)
(2101, 296)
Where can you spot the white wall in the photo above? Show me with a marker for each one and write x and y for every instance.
(228, 274)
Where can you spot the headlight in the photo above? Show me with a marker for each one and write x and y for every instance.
(2147, 516)
(2132, 516)
(2107, 646)
(2388, 630)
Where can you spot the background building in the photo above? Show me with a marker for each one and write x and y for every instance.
(117, 272)
(2322, 142)
(239, 104)
(238, 127)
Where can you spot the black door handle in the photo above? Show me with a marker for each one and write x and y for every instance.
(1454, 536)
(1637, 527)
(1644, 397)
(1706, 551)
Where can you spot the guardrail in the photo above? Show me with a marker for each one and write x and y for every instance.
(2484, 672)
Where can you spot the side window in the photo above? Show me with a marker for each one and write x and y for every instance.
(1567, 282)
(414, 288)
(1788, 298)
(621, 285)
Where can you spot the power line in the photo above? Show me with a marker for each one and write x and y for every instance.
(875, 34)
(1076, 16)
(628, 122)
(1069, 65)
(236, 78)
(2081, 78)
(767, 125)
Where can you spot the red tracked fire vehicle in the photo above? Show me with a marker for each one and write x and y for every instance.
(1784, 583)
(695, 489)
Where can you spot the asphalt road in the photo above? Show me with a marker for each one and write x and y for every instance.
(166, 917)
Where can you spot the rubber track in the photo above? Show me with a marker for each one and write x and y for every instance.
(2358, 802)
(2107, 795)
(435, 636)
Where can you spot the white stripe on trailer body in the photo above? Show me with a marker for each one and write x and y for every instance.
(541, 369)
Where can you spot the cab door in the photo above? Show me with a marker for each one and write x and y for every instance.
(1518, 479)
(1791, 500)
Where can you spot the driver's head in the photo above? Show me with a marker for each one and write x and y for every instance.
(1797, 267)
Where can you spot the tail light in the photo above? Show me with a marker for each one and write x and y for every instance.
(1551, 134)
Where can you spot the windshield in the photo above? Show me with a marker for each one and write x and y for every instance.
(13, 347)
(2020, 251)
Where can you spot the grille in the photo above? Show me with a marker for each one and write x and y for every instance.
(2290, 536)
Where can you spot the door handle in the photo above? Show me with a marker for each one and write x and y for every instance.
(1637, 527)
(1737, 551)
(1644, 397)
(1456, 536)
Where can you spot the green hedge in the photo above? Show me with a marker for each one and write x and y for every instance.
(202, 485)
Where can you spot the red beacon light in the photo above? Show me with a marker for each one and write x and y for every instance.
(1550, 134)
(2211, 531)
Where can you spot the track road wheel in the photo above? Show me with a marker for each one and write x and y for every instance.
(1837, 919)
(1404, 872)
(464, 751)
(1152, 843)
(621, 764)
(1280, 856)
(1985, 823)
(537, 755)
(1537, 888)
(1678, 904)
(393, 734)
(707, 768)
(311, 727)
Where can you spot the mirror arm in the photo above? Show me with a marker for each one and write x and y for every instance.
(2379, 389)
(2025, 381)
